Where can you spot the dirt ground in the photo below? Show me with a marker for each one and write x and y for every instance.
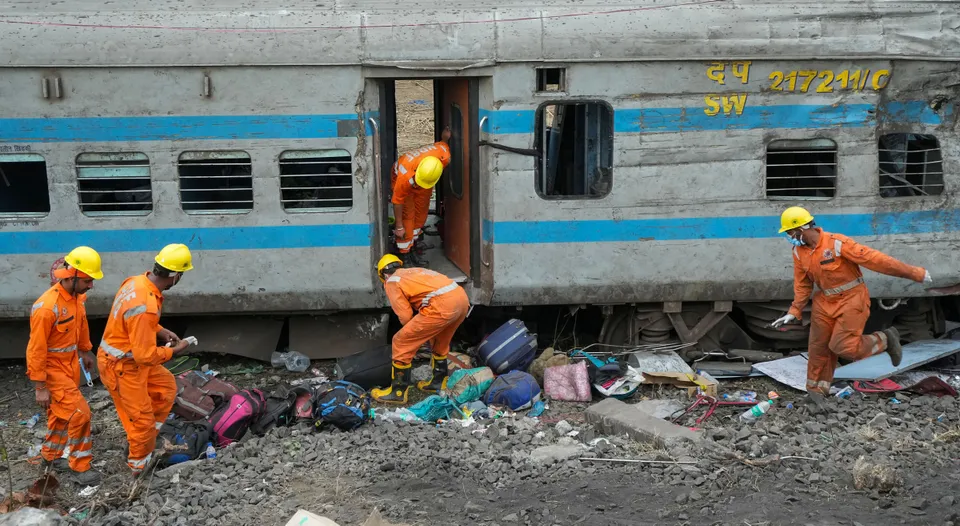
(483, 474)
(415, 125)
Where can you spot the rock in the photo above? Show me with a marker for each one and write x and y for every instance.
(31, 517)
(563, 427)
(877, 475)
(558, 453)
(388, 466)
(919, 503)
(878, 421)
(947, 501)
(510, 518)
(682, 498)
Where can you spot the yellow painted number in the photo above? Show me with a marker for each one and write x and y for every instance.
(826, 85)
(808, 77)
(777, 79)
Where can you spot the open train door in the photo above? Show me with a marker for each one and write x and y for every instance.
(456, 106)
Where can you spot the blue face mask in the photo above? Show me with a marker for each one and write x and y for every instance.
(795, 242)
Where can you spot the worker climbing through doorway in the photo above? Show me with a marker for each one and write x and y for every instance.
(59, 342)
(412, 181)
(841, 306)
(441, 306)
(130, 359)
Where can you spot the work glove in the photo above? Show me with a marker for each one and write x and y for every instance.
(780, 321)
(926, 277)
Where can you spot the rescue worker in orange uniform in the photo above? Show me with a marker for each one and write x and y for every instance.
(841, 306)
(58, 332)
(414, 176)
(131, 362)
(441, 306)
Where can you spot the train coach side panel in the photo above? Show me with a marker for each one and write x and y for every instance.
(262, 258)
(688, 216)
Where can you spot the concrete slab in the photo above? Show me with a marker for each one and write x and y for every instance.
(915, 354)
(663, 408)
(614, 417)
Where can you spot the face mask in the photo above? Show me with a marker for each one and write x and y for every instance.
(795, 242)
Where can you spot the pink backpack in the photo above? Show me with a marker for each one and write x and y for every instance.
(231, 421)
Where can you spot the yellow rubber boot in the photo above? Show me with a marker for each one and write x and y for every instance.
(439, 380)
(396, 393)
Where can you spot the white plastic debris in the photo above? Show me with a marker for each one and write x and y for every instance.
(89, 491)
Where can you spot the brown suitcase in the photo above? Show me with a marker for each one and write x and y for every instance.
(198, 395)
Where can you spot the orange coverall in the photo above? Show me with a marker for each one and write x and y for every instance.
(406, 192)
(442, 306)
(131, 366)
(58, 329)
(841, 306)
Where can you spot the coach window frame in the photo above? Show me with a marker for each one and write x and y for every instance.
(216, 154)
(39, 159)
(314, 210)
(940, 177)
(86, 161)
(798, 142)
(539, 140)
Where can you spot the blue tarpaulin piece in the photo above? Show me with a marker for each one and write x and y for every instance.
(915, 354)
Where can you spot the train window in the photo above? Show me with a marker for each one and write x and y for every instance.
(801, 169)
(215, 182)
(551, 79)
(316, 181)
(575, 141)
(23, 185)
(454, 172)
(114, 184)
(910, 165)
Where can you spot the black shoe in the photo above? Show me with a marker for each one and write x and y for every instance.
(439, 379)
(893, 346)
(86, 478)
(58, 464)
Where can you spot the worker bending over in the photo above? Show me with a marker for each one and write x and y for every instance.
(414, 176)
(131, 362)
(442, 306)
(841, 306)
(58, 332)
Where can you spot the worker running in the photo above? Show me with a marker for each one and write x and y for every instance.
(59, 340)
(442, 306)
(131, 362)
(841, 306)
(412, 181)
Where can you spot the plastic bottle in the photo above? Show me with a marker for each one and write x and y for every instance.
(293, 361)
(211, 452)
(754, 413)
(297, 362)
(33, 421)
(845, 393)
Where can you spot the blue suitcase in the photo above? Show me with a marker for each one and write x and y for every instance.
(509, 348)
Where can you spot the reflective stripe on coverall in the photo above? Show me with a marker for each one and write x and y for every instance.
(415, 200)
(131, 366)
(58, 329)
(442, 306)
(841, 306)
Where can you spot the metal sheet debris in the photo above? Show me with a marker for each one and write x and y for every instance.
(915, 354)
(790, 371)
(659, 362)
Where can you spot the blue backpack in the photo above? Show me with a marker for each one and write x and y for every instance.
(342, 404)
(516, 390)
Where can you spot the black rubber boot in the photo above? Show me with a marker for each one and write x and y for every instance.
(86, 478)
(58, 464)
(415, 260)
(396, 393)
(439, 379)
(893, 345)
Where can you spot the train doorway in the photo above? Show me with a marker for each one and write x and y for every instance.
(413, 114)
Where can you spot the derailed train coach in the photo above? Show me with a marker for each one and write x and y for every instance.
(632, 157)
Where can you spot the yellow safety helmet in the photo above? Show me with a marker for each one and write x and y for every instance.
(794, 217)
(386, 260)
(428, 172)
(86, 260)
(175, 258)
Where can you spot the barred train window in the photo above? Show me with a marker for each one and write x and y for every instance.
(23, 185)
(575, 141)
(114, 184)
(910, 165)
(316, 181)
(802, 169)
(215, 182)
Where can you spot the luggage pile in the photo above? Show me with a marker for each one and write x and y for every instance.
(209, 411)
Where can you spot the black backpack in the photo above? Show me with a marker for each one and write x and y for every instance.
(342, 404)
(191, 437)
(280, 410)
